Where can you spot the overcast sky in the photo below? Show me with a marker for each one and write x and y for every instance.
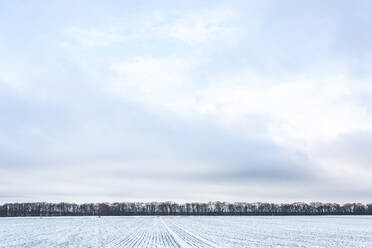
(185, 101)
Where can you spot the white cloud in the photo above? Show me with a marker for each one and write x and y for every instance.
(299, 109)
(93, 37)
(151, 81)
(149, 74)
(10, 79)
(197, 28)
(202, 28)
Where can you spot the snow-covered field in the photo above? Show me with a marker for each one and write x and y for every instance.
(203, 231)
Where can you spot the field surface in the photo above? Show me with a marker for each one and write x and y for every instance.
(203, 231)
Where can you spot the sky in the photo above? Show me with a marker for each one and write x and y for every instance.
(106, 101)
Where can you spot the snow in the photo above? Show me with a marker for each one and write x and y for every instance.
(187, 231)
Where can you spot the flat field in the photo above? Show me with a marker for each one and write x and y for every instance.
(190, 231)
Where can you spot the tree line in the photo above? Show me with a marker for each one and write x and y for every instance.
(172, 208)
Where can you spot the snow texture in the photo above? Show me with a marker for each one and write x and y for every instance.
(187, 231)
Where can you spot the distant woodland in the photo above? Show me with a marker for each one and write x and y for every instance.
(172, 208)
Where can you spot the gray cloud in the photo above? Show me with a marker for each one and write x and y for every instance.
(41, 135)
(351, 148)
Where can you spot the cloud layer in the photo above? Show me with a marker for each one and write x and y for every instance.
(242, 101)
